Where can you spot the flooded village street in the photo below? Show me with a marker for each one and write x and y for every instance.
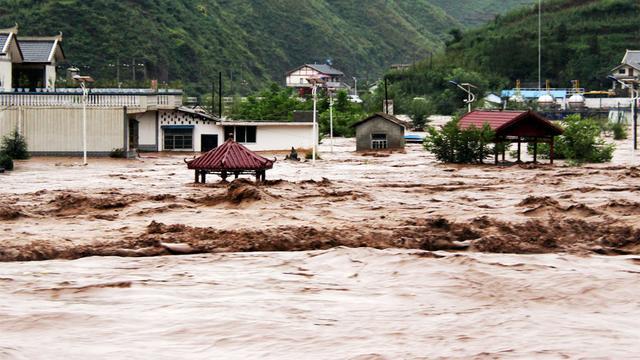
(433, 282)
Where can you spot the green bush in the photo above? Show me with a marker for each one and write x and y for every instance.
(6, 162)
(450, 144)
(580, 143)
(15, 146)
(619, 131)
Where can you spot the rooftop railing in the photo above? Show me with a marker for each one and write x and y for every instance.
(138, 99)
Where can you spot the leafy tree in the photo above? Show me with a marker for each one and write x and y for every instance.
(14, 145)
(6, 162)
(419, 111)
(451, 144)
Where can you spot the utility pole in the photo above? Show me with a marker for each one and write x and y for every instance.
(386, 97)
(133, 69)
(539, 44)
(220, 93)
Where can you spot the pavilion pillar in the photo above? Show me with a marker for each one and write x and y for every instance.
(258, 175)
(496, 152)
(223, 175)
(197, 176)
(519, 148)
(203, 175)
(535, 150)
(504, 152)
(551, 151)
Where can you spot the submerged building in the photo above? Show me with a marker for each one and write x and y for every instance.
(152, 119)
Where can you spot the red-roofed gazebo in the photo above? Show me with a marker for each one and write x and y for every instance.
(230, 158)
(515, 126)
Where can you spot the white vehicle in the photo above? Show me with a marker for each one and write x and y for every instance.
(355, 99)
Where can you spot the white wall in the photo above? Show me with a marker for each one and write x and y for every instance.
(49, 130)
(282, 137)
(50, 76)
(301, 74)
(206, 129)
(6, 72)
(146, 128)
(201, 127)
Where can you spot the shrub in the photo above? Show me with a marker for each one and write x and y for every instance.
(6, 162)
(450, 144)
(580, 143)
(619, 131)
(15, 146)
(118, 153)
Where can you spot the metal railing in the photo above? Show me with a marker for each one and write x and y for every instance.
(104, 98)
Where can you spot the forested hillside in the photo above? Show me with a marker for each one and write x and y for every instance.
(251, 41)
(582, 40)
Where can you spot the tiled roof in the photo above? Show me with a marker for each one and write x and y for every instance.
(36, 51)
(230, 156)
(385, 116)
(632, 57)
(326, 69)
(500, 120)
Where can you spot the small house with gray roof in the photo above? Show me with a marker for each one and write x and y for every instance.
(629, 68)
(298, 78)
(28, 63)
(380, 131)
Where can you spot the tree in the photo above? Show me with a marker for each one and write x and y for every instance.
(450, 144)
(14, 145)
(419, 111)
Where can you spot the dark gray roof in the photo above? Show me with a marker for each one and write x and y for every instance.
(36, 51)
(385, 116)
(326, 69)
(3, 41)
(632, 57)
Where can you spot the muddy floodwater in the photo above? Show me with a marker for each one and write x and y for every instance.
(363, 256)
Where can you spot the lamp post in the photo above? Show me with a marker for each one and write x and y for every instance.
(315, 82)
(634, 98)
(83, 80)
(355, 86)
(331, 118)
(466, 87)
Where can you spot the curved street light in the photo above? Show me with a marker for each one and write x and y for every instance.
(466, 87)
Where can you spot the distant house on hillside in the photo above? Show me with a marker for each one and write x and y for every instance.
(298, 77)
(629, 68)
(28, 63)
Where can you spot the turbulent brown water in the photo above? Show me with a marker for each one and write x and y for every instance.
(335, 304)
(554, 295)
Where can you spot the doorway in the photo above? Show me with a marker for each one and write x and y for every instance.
(133, 133)
(208, 142)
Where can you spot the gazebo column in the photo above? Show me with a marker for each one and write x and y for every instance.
(496, 151)
(535, 150)
(203, 174)
(258, 175)
(551, 151)
(519, 148)
(223, 175)
(504, 151)
(197, 176)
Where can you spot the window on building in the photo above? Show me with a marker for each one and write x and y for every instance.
(622, 71)
(301, 80)
(178, 139)
(379, 141)
(245, 134)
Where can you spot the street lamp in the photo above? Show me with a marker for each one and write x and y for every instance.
(315, 82)
(634, 97)
(83, 80)
(466, 87)
(355, 85)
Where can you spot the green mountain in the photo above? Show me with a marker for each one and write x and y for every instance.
(251, 41)
(581, 40)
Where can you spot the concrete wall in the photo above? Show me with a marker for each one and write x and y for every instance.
(282, 137)
(147, 134)
(6, 69)
(379, 125)
(58, 131)
(50, 76)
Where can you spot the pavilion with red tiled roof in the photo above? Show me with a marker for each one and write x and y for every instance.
(230, 158)
(515, 126)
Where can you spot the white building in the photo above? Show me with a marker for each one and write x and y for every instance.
(51, 119)
(629, 68)
(298, 78)
(28, 63)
